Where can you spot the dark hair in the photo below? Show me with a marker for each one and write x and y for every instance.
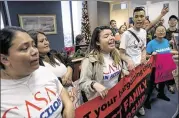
(33, 34)
(139, 9)
(130, 24)
(52, 51)
(173, 16)
(147, 20)
(77, 41)
(6, 37)
(94, 49)
(95, 38)
(112, 21)
(79, 38)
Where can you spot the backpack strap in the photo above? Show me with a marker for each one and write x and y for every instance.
(134, 35)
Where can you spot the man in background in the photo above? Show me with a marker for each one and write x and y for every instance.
(173, 21)
(113, 27)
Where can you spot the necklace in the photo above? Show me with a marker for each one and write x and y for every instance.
(22, 81)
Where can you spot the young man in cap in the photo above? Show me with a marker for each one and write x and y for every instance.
(173, 21)
(113, 27)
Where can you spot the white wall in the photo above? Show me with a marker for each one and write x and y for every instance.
(92, 12)
(120, 16)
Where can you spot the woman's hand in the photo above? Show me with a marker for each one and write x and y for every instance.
(68, 111)
(154, 53)
(100, 89)
(67, 78)
(143, 61)
(130, 65)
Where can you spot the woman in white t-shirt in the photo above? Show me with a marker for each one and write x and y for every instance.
(28, 90)
(60, 66)
(101, 69)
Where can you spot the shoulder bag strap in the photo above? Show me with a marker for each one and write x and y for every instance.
(134, 35)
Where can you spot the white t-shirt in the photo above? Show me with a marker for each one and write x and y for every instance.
(35, 96)
(59, 71)
(110, 72)
(131, 45)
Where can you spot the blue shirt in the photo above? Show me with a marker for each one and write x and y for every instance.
(158, 46)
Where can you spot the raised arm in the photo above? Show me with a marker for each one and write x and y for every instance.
(154, 22)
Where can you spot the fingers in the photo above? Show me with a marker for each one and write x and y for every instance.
(104, 93)
(166, 9)
(69, 82)
(64, 81)
(131, 67)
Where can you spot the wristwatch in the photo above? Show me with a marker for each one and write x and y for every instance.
(92, 85)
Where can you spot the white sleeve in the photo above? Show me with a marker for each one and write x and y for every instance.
(124, 40)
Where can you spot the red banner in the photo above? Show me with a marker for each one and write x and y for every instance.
(123, 100)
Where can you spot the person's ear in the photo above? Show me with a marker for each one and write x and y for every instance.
(97, 43)
(133, 18)
(4, 60)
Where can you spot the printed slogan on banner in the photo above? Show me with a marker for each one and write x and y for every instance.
(123, 100)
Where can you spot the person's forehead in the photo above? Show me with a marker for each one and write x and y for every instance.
(173, 19)
(160, 28)
(20, 38)
(41, 36)
(139, 12)
(106, 31)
